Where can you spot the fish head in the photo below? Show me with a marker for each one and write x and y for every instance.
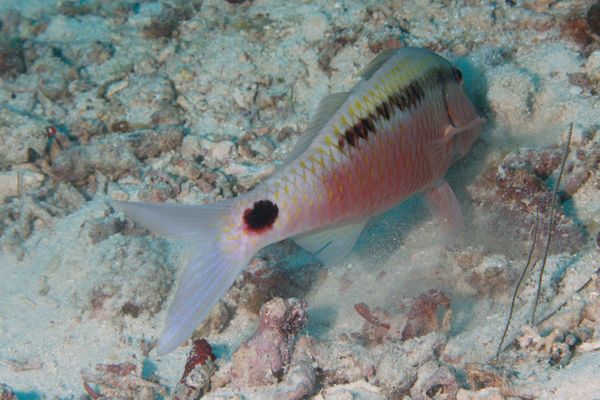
(463, 114)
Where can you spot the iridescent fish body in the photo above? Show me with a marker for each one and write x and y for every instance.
(393, 135)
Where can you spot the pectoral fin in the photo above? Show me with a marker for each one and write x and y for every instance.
(452, 130)
(445, 147)
(443, 201)
(331, 245)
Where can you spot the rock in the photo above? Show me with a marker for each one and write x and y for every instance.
(593, 18)
(314, 28)
(64, 29)
(343, 361)
(19, 134)
(434, 381)
(116, 156)
(466, 258)
(78, 163)
(560, 355)
(591, 345)
(262, 360)
(297, 384)
(133, 279)
(429, 312)
(199, 368)
(16, 182)
(357, 390)
(11, 57)
(397, 370)
(6, 393)
(481, 376)
(518, 187)
(150, 143)
(192, 146)
(379, 325)
(493, 276)
(220, 150)
(68, 198)
(483, 394)
(510, 93)
(271, 276)
(216, 321)
(102, 229)
(142, 97)
(120, 381)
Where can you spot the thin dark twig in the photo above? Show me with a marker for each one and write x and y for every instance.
(587, 283)
(549, 237)
(514, 297)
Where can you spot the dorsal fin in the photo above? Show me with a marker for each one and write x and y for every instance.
(367, 72)
(327, 107)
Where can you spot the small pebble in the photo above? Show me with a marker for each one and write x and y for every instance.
(314, 28)
(115, 87)
(572, 340)
(120, 126)
(592, 345)
(576, 90)
(560, 355)
(15, 183)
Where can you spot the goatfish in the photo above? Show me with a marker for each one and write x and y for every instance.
(393, 135)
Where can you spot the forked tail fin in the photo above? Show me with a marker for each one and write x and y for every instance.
(210, 272)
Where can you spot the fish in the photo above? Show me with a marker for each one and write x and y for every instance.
(393, 135)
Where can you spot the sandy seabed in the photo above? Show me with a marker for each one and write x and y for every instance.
(195, 101)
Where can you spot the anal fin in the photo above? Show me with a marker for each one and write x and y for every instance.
(332, 245)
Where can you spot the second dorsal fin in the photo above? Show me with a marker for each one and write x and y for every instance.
(367, 72)
(327, 107)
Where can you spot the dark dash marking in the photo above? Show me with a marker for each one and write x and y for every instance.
(383, 110)
(395, 99)
(359, 130)
(261, 217)
(387, 107)
(402, 101)
(368, 123)
(409, 96)
(414, 93)
(350, 137)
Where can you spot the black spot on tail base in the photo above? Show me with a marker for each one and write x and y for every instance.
(261, 217)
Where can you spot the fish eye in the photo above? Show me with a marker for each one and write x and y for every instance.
(457, 74)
